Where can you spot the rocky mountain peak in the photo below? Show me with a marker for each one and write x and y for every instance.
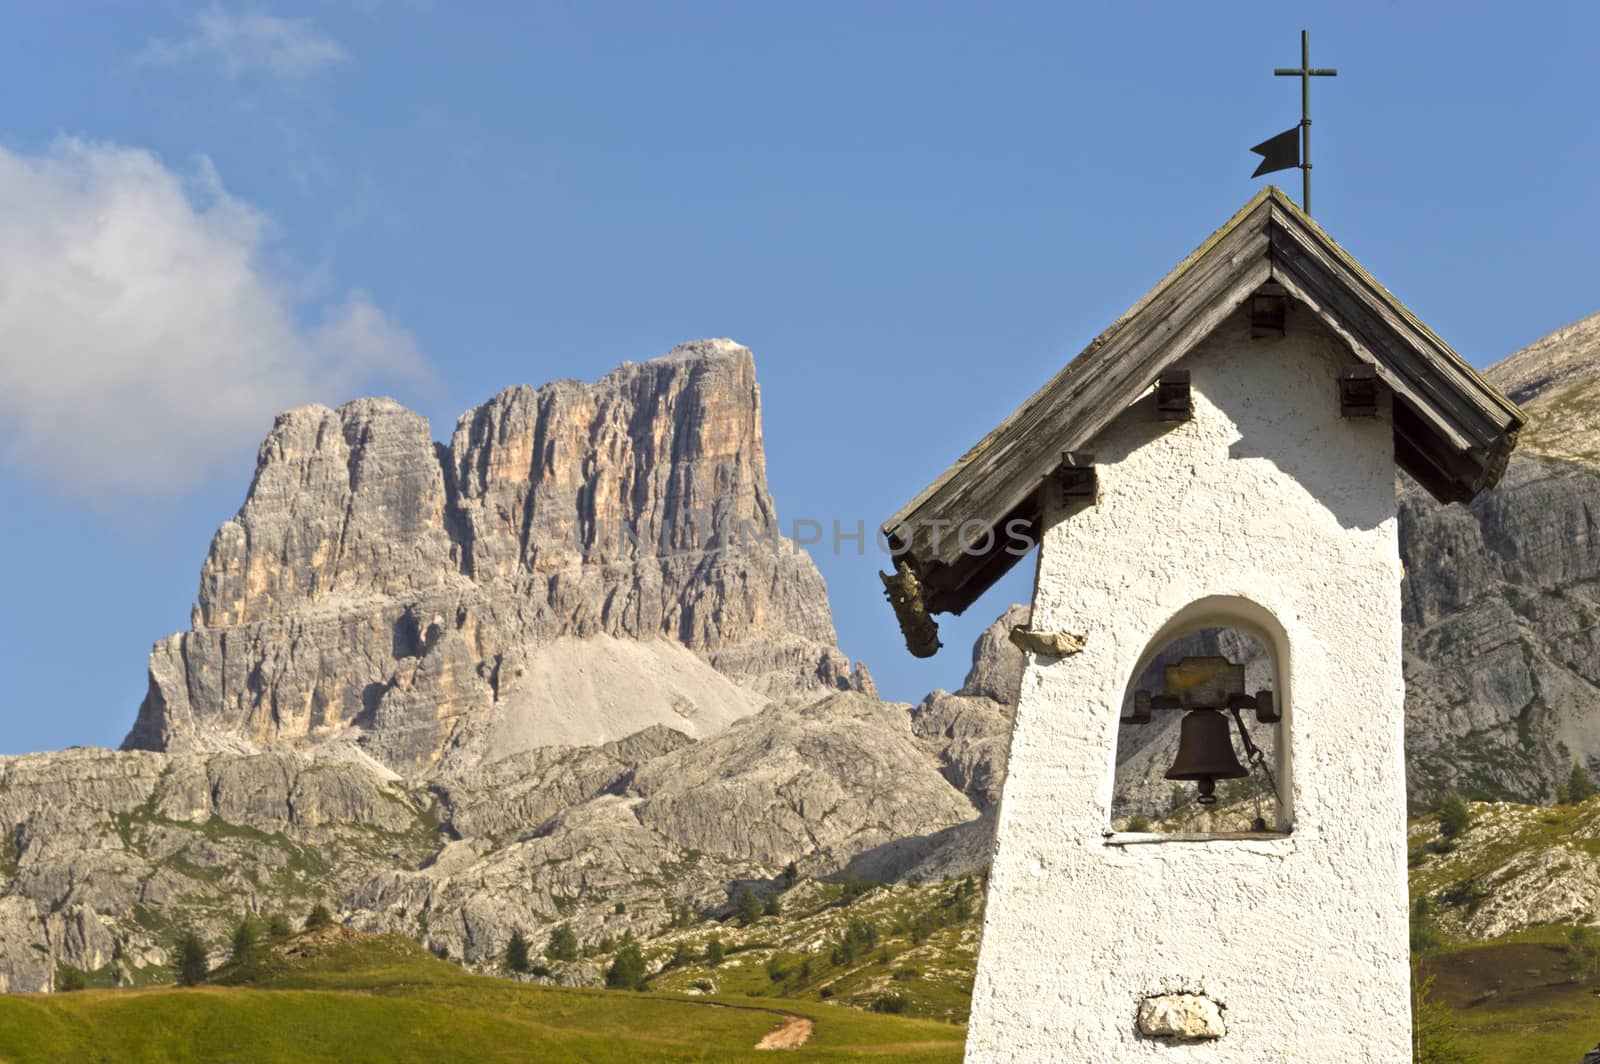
(1556, 379)
(379, 587)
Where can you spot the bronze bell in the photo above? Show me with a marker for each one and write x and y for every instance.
(1205, 753)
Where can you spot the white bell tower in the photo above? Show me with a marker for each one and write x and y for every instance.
(1223, 456)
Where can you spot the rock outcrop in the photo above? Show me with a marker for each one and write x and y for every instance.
(105, 856)
(381, 588)
(1502, 596)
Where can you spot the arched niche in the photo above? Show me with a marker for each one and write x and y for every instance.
(1248, 634)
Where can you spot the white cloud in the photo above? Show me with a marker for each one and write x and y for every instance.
(250, 42)
(142, 340)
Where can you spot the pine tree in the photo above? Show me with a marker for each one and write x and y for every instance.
(190, 960)
(1454, 816)
(773, 906)
(1579, 787)
(627, 970)
(747, 906)
(318, 917)
(791, 876)
(517, 952)
(246, 936)
(714, 951)
(1434, 1038)
(278, 927)
(563, 945)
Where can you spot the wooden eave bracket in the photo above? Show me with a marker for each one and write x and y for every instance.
(1174, 402)
(1269, 311)
(1360, 391)
(1077, 477)
(904, 593)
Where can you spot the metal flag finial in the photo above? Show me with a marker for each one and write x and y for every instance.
(1305, 73)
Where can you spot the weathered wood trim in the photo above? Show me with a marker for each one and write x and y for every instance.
(1453, 430)
(1004, 468)
(1407, 359)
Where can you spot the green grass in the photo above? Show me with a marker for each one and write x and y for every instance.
(1554, 1033)
(352, 997)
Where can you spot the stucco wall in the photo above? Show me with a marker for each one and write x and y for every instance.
(1272, 513)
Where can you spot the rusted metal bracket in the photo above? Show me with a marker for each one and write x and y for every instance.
(1202, 683)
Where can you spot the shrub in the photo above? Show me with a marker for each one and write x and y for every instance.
(859, 937)
(1138, 823)
(890, 1003)
(538, 970)
(703, 985)
(681, 955)
(714, 951)
(825, 992)
(1467, 894)
(278, 927)
(1454, 816)
(854, 887)
(563, 944)
(772, 907)
(775, 969)
(517, 952)
(620, 908)
(791, 876)
(627, 970)
(69, 979)
(318, 917)
(189, 960)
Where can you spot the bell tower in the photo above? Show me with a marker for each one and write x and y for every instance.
(1223, 456)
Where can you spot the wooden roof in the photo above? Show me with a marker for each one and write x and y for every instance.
(1453, 429)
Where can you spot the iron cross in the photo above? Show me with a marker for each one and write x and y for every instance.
(1305, 74)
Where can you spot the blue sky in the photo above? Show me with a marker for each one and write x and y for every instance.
(912, 213)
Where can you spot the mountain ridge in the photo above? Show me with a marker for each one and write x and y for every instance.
(379, 588)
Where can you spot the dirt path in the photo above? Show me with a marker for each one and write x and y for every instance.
(790, 1034)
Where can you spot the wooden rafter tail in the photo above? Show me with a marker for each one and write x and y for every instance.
(904, 593)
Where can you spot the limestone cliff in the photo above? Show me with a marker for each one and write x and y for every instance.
(380, 587)
(1502, 596)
